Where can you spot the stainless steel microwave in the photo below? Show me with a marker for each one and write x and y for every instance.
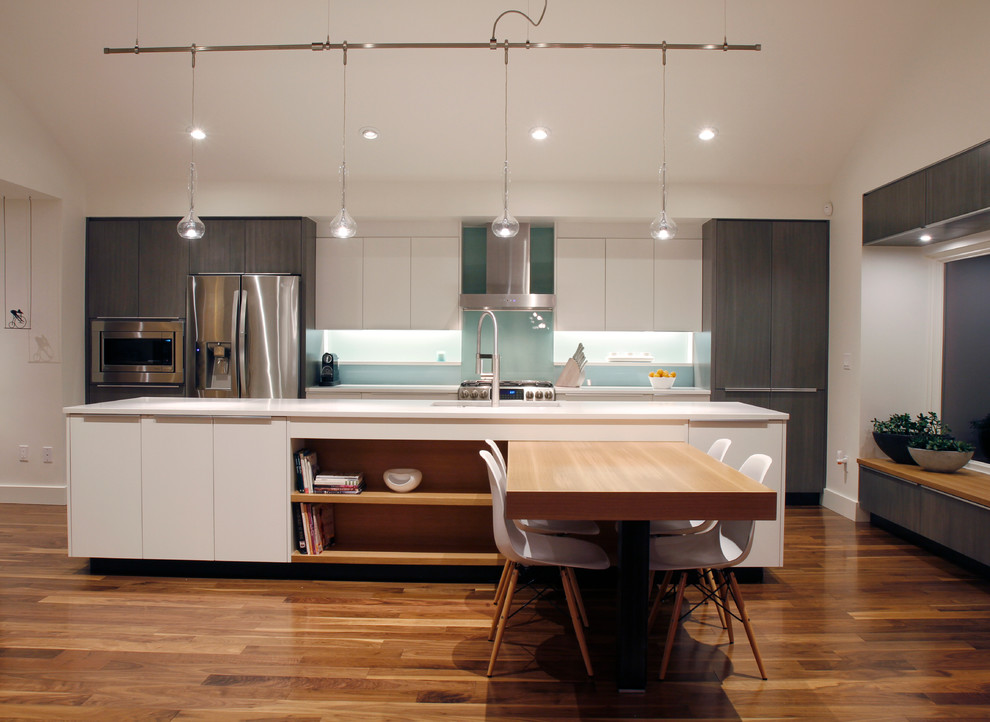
(137, 351)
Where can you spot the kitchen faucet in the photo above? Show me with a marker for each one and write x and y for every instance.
(494, 375)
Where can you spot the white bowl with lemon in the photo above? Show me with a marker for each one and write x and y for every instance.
(661, 379)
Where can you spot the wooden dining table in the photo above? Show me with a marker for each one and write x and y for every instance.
(631, 482)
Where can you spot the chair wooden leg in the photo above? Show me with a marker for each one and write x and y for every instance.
(576, 591)
(510, 568)
(724, 587)
(500, 589)
(667, 576)
(570, 587)
(737, 596)
(503, 617)
(674, 623)
(661, 592)
(715, 589)
(654, 612)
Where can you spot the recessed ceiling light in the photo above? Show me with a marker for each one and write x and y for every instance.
(197, 133)
(539, 133)
(708, 133)
(370, 133)
(924, 237)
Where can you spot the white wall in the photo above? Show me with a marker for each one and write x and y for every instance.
(35, 384)
(460, 200)
(878, 315)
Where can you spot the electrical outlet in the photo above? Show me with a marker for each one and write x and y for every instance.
(47, 454)
(22, 452)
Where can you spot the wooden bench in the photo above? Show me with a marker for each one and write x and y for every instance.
(952, 510)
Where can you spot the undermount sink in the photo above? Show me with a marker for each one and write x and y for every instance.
(483, 404)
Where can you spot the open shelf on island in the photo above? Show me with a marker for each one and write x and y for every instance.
(341, 555)
(390, 497)
(447, 520)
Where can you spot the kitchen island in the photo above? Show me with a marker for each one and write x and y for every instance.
(214, 479)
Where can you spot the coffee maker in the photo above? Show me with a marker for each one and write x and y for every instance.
(328, 371)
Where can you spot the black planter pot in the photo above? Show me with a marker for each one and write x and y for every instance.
(895, 446)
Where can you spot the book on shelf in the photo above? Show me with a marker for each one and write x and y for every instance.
(307, 468)
(297, 458)
(339, 484)
(315, 527)
(297, 519)
(339, 489)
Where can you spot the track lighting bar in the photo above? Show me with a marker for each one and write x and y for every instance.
(492, 45)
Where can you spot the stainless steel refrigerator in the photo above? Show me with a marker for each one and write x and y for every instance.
(246, 335)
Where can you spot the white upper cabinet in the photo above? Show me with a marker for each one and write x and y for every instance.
(610, 279)
(435, 274)
(677, 285)
(579, 281)
(629, 284)
(388, 283)
(339, 282)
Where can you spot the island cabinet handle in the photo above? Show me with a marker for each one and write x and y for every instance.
(165, 415)
(770, 389)
(171, 417)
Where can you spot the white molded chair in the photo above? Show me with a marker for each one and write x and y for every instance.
(542, 526)
(693, 526)
(522, 547)
(722, 547)
(545, 526)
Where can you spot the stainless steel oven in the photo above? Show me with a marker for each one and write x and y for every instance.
(137, 351)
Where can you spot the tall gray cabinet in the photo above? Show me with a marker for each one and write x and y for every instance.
(765, 314)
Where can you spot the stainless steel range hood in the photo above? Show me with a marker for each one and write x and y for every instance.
(507, 277)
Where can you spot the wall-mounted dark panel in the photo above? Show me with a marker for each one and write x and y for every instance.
(221, 249)
(162, 269)
(273, 246)
(894, 208)
(955, 185)
(112, 268)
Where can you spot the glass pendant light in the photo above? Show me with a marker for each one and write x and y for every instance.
(342, 225)
(506, 226)
(663, 228)
(191, 227)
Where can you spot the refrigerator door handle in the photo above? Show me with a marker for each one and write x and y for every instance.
(234, 347)
(242, 346)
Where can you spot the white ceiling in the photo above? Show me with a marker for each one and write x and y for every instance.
(786, 115)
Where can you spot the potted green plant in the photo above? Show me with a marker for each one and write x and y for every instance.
(982, 427)
(935, 449)
(892, 436)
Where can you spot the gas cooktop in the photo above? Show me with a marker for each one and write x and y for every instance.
(508, 390)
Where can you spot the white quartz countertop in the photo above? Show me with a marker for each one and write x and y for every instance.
(428, 410)
(312, 391)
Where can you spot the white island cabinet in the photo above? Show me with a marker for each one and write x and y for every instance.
(214, 478)
(178, 486)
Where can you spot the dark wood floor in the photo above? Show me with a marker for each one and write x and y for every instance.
(859, 625)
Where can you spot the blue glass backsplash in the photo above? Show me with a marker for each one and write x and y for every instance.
(525, 344)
